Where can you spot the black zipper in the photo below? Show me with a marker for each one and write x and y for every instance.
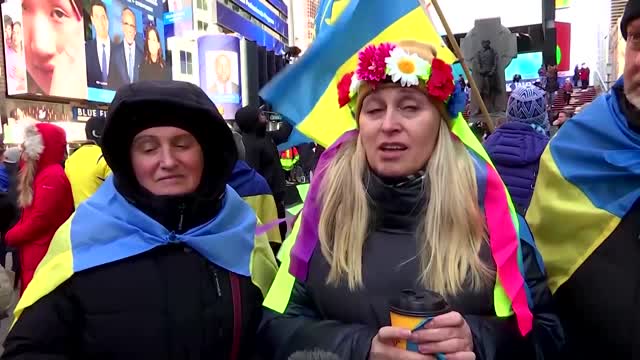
(215, 276)
(181, 209)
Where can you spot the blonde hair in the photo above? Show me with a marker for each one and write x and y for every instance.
(449, 236)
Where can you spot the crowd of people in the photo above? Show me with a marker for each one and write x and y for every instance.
(164, 236)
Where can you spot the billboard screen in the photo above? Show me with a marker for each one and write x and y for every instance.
(124, 44)
(219, 57)
(44, 47)
(82, 49)
(563, 51)
(178, 18)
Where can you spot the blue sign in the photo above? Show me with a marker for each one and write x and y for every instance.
(280, 5)
(260, 11)
(246, 28)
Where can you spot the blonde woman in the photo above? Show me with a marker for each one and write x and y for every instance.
(409, 201)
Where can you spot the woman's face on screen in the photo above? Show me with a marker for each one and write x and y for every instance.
(53, 35)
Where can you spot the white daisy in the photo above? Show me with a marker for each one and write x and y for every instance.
(355, 85)
(406, 68)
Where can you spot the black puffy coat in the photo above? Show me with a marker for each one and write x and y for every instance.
(168, 303)
(344, 322)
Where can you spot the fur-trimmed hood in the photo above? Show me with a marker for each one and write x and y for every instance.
(44, 145)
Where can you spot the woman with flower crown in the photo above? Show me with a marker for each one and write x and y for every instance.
(410, 200)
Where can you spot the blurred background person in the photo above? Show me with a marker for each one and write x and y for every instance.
(44, 196)
(567, 89)
(585, 74)
(54, 50)
(86, 168)
(15, 61)
(517, 145)
(153, 67)
(99, 50)
(127, 55)
(562, 117)
(262, 153)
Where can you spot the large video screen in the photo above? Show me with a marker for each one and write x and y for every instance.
(82, 49)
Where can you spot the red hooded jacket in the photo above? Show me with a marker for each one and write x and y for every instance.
(52, 200)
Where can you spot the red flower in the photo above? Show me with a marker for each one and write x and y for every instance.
(343, 89)
(371, 64)
(440, 84)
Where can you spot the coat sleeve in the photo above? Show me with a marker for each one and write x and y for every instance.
(46, 330)
(8, 212)
(51, 197)
(499, 338)
(301, 328)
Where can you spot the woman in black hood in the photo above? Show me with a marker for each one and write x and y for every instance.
(165, 263)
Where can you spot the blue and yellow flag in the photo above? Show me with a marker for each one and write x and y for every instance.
(328, 13)
(255, 190)
(589, 179)
(306, 92)
(107, 228)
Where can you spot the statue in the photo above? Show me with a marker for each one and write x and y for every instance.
(488, 49)
(486, 65)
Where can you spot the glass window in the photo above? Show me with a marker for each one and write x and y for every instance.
(186, 62)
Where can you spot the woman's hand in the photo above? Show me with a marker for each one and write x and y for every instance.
(446, 334)
(383, 346)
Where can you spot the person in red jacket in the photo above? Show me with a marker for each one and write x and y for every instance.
(44, 196)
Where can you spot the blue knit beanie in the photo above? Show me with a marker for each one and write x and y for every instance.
(527, 104)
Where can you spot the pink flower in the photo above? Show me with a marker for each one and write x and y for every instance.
(371, 64)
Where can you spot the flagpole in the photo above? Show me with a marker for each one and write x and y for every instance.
(456, 49)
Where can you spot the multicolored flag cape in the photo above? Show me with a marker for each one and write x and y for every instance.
(505, 229)
(305, 94)
(106, 228)
(255, 190)
(589, 179)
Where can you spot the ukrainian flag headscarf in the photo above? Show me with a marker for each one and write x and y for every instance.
(503, 224)
(107, 228)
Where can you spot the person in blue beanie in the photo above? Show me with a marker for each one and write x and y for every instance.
(517, 145)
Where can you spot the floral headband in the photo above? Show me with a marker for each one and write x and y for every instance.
(388, 62)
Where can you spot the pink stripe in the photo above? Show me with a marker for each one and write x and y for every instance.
(504, 246)
(264, 228)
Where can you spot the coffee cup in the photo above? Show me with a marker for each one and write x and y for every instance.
(412, 310)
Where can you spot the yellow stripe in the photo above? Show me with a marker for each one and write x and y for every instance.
(278, 297)
(54, 269)
(566, 225)
(265, 208)
(263, 264)
(315, 124)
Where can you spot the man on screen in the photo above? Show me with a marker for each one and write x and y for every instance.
(98, 50)
(223, 84)
(127, 55)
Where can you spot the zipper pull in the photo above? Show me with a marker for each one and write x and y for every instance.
(215, 275)
(181, 208)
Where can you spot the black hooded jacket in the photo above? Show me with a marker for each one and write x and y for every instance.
(166, 303)
(261, 151)
(344, 321)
